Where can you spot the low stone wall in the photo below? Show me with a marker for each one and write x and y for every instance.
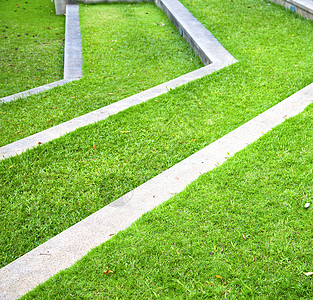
(303, 8)
(60, 5)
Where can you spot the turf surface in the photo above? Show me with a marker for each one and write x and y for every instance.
(127, 48)
(238, 232)
(31, 45)
(48, 189)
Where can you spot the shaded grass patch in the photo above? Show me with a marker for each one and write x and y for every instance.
(31, 45)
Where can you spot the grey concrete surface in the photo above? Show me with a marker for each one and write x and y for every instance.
(72, 56)
(199, 38)
(303, 8)
(63, 250)
(212, 51)
(73, 59)
(60, 6)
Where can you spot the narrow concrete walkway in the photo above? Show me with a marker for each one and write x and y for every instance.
(72, 56)
(65, 249)
(203, 42)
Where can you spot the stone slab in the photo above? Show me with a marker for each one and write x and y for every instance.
(60, 6)
(63, 250)
(33, 91)
(199, 38)
(73, 59)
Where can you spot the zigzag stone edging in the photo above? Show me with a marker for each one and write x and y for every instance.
(62, 251)
(196, 34)
(72, 56)
(25, 273)
(66, 248)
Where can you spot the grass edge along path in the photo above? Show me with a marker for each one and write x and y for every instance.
(147, 139)
(240, 230)
(69, 246)
(72, 57)
(101, 114)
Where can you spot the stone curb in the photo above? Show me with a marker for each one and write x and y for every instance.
(66, 248)
(303, 8)
(22, 275)
(195, 33)
(198, 37)
(32, 91)
(72, 56)
(63, 250)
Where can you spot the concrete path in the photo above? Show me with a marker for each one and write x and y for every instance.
(65, 249)
(72, 56)
(204, 43)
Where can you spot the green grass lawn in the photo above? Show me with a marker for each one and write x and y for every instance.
(127, 48)
(52, 187)
(31, 45)
(238, 232)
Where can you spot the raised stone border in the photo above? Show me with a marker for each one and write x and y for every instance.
(199, 38)
(66, 248)
(60, 6)
(72, 56)
(302, 7)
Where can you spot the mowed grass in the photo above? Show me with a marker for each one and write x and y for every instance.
(127, 48)
(31, 45)
(238, 232)
(50, 188)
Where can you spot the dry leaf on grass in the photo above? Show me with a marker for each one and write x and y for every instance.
(107, 272)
